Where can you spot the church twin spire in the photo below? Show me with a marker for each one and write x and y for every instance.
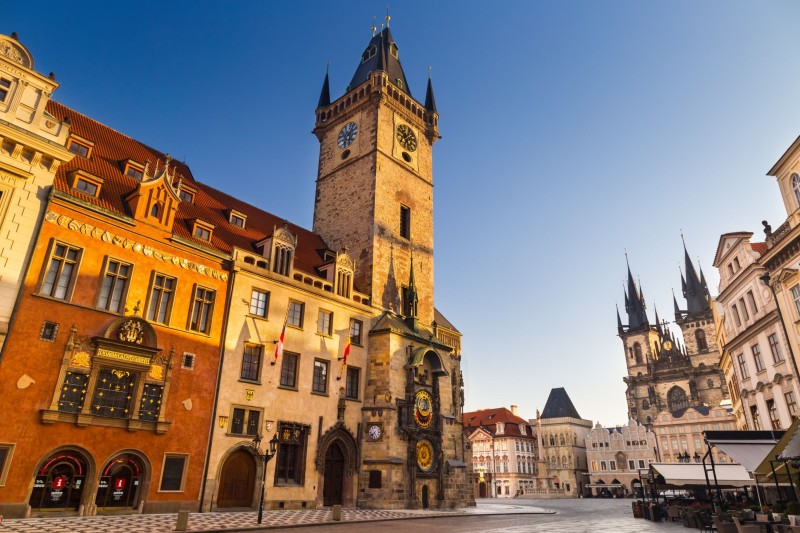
(695, 290)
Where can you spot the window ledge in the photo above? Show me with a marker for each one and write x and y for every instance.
(326, 335)
(319, 393)
(259, 317)
(250, 381)
(49, 416)
(294, 327)
(286, 387)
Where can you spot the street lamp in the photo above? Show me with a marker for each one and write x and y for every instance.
(683, 457)
(765, 279)
(265, 457)
(696, 457)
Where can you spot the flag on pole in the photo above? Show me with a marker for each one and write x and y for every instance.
(343, 358)
(279, 347)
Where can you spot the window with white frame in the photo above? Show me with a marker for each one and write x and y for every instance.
(796, 298)
(796, 187)
(759, 363)
(775, 348)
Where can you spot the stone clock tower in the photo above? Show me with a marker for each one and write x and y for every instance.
(374, 197)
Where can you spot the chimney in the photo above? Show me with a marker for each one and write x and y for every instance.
(514, 410)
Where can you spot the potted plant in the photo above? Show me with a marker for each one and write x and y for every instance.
(777, 512)
(792, 512)
(762, 515)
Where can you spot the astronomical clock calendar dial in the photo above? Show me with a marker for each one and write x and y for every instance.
(347, 135)
(406, 138)
(423, 409)
(425, 455)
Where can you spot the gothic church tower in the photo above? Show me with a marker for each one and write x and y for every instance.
(375, 197)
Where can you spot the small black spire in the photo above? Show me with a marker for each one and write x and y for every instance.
(620, 329)
(412, 299)
(634, 305)
(694, 290)
(325, 94)
(658, 322)
(430, 101)
(678, 314)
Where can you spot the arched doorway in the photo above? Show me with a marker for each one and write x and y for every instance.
(238, 480)
(333, 474)
(120, 483)
(59, 482)
(482, 489)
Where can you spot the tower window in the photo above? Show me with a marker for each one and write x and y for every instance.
(637, 353)
(405, 222)
(796, 187)
(368, 53)
(700, 337)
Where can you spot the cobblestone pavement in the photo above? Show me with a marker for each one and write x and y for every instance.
(238, 521)
(518, 515)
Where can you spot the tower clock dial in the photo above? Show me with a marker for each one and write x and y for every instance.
(347, 135)
(423, 409)
(667, 345)
(406, 138)
(374, 432)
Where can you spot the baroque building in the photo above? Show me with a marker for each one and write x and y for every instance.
(616, 456)
(664, 374)
(32, 147)
(503, 453)
(761, 375)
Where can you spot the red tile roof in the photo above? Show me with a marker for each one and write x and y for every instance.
(488, 419)
(760, 247)
(112, 149)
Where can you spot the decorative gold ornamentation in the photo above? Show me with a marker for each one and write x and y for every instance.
(106, 236)
(132, 331)
(156, 373)
(81, 359)
(248, 394)
(120, 373)
(223, 421)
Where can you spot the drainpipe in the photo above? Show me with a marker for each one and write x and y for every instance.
(224, 334)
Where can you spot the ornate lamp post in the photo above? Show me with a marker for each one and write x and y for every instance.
(265, 457)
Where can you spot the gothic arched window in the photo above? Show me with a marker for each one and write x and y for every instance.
(677, 400)
(552, 440)
(564, 461)
(637, 352)
(796, 187)
(700, 337)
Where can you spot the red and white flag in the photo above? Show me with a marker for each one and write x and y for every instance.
(346, 351)
(279, 347)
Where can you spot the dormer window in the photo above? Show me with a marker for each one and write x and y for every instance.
(393, 51)
(186, 195)
(236, 218)
(86, 183)
(522, 429)
(5, 89)
(202, 230)
(282, 260)
(368, 53)
(500, 428)
(345, 266)
(81, 147)
(134, 170)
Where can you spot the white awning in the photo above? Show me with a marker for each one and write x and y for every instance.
(747, 454)
(687, 474)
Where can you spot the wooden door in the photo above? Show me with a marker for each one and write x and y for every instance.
(238, 480)
(333, 485)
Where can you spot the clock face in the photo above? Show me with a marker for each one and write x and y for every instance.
(374, 432)
(423, 409)
(667, 345)
(347, 135)
(425, 455)
(406, 138)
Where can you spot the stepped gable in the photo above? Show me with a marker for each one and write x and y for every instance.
(111, 150)
(488, 419)
(559, 405)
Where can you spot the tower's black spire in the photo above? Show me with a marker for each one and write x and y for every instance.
(411, 298)
(381, 54)
(634, 305)
(694, 288)
(430, 102)
(620, 329)
(325, 94)
(658, 322)
(678, 314)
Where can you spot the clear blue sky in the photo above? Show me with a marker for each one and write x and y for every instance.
(572, 131)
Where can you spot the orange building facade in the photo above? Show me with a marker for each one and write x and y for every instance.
(112, 360)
